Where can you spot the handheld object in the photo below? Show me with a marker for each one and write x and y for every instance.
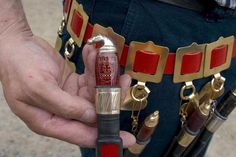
(107, 99)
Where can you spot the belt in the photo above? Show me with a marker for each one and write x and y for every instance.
(148, 62)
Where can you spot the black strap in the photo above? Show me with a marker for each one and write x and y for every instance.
(208, 7)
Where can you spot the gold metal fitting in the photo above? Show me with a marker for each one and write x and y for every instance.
(205, 69)
(207, 93)
(217, 83)
(192, 49)
(108, 100)
(152, 48)
(140, 86)
(187, 108)
(152, 120)
(116, 38)
(188, 85)
(185, 139)
(229, 41)
(137, 148)
(130, 104)
(205, 108)
(69, 48)
(76, 7)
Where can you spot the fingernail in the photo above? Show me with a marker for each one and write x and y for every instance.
(89, 116)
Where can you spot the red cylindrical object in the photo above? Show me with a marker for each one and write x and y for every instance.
(107, 69)
(145, 133)
(196, 121)
(107, 98)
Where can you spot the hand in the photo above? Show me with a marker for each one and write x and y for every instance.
(42, 90)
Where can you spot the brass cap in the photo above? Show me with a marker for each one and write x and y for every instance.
(205, 108)
(152, 120)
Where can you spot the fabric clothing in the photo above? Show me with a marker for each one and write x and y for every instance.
(166, 25)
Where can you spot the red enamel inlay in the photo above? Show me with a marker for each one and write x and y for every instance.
(67, 4)
(77, 23)
(107, 69)
(191, 63)
(109, 150)
(146, 62)
(170, 64)
(218, 56)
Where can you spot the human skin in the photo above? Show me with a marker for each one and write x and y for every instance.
(40, 87)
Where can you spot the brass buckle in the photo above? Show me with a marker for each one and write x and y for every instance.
(221, 41)
(151, 47)
(192, 49)
(118, 39)
(75, 6)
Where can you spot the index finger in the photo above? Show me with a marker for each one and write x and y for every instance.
(50, 97)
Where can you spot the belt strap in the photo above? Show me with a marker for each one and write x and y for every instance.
(219, 57)
(187, 60)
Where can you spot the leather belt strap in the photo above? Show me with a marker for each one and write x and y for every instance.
(146, 62)
(218, 58)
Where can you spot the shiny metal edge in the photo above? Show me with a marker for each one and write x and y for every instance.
(214, 123)
(107, 100)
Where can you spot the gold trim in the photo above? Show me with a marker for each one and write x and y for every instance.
(217, 83)
(130, 105)
(221, 41)
(118, 40)
(192, 49)
(185, 139)
(137, 148)
(205, 108)
(187, 108)
(152, 120)
(107, 100)
(75, 6)
(151, 47)
(136, 97)
(140, 86)
(187, 86)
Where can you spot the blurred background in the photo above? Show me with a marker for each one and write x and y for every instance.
(16, 140)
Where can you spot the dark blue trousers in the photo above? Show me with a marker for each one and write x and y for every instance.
(166, 25)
